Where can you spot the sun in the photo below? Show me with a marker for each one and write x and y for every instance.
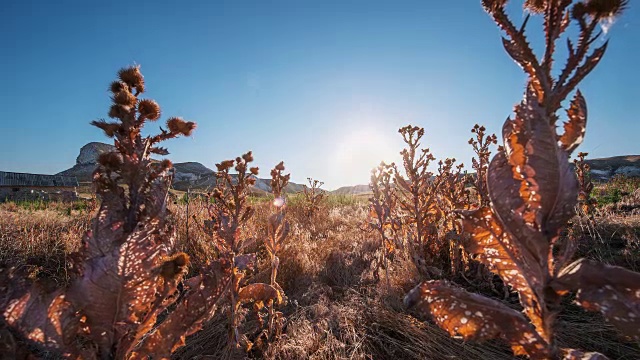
(358, 150)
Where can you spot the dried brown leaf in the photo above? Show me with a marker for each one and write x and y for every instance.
(582, 71)
(575, 127)
(259, 292)
(46, 319)
(475, 317)
(197, 306)
(538, 171)
(496, 249)
(612, 290)
(123, 276)
(573, 354)
(524, 60)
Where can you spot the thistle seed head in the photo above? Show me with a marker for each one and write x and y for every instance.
(536, 6)
(132, 77)
(118, 86)
(149, 109)
(119, 111)
(166, 164)
(605, 9)
(178, 126)
(492, 5)
(110, 160)
(175, 266)
(248, 157)
(125, 98)
(225, 165)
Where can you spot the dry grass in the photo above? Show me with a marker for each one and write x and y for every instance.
(39, 241)
(336, 310)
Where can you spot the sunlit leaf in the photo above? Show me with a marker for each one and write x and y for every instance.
(47, 319)
(259, 292)
(518, 54)
(574, 128)
(475, 317)
(495, 249)
(533, 178)
(196, 307)
(612, 290)
(573, 354)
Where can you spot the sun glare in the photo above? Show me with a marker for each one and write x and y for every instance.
(361, 149)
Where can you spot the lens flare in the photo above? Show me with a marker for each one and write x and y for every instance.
(278, 202)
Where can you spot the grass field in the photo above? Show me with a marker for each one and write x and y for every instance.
(336, 309)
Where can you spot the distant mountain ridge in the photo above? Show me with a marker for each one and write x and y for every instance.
(187, 175)
(352, 190)
(194, 175)
(604, 169)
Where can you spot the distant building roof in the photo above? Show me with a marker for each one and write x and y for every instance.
(36, 180)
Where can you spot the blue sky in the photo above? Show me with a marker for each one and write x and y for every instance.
(322, 85)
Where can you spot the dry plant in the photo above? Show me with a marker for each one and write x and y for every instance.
(481, 146)
(425, 201)
(230, 211)
(383, 217)
(278, 230)
(586, 203)
(127, 272)
(533, 193)
(313, 197)
(417, 199)
(452, 195)
(314, 209)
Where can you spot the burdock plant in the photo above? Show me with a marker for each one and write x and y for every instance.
(533, 194)
(230, 211)
(128, 271)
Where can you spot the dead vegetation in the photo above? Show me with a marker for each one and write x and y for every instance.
(533, 193)
(492, 255)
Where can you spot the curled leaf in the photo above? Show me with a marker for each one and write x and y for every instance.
(575, 127)
(573, 354)
(475, 317)
(259, 292)
(612, 290)
(495, 249)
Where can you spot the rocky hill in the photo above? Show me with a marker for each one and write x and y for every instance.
(605, 168)
(352, 190)
(208, 181)
(87, 160)
(188, 175)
